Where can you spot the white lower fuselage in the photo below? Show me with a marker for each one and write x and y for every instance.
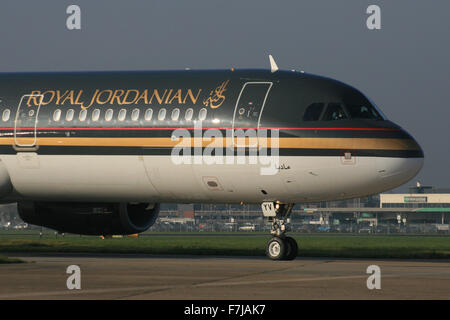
(134, 178)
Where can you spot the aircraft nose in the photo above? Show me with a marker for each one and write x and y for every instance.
(404, 165)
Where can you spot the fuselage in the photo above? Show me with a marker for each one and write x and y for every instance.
(175, 136)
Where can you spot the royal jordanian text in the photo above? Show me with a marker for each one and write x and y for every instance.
(121, 97)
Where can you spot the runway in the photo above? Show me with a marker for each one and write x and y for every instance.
(225, 278)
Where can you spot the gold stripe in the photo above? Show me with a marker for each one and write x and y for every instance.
(294, 143)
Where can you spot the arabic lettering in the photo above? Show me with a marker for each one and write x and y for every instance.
(216, 96)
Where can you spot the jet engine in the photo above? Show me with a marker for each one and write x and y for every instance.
(5, 182)
(90, 218)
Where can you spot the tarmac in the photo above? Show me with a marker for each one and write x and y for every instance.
(151, 277)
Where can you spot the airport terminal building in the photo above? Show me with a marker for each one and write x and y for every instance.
(422, 209)
(421, 205)
(418, 197)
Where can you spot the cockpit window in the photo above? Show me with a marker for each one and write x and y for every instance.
(360, 107)
(334, 112)
(363, 111)
(313, 111)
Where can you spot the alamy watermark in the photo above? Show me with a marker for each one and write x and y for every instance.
(74, 280)
(374, 280)
(238, 147)
(373, 22)
(73, 21)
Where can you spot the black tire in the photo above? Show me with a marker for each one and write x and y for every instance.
(276, 249)
(292, 252)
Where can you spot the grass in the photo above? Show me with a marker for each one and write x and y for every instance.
(4, 260)
(317, 245)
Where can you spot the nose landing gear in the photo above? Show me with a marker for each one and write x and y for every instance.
(280, 247)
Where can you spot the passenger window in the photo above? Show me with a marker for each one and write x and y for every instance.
(57, 115)
(313, 111)
(175, 114)
(69, 115)
(6, 114)
(83, 115)
(162, 114)
(135, 115)
(334, 112)
(189, 114)
(202, 114)
(109, 114)
(148, 114)
(122, 114)
(96, 115)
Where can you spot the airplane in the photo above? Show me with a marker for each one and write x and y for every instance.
(95, 153)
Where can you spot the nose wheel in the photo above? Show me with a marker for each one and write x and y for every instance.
(280, 246)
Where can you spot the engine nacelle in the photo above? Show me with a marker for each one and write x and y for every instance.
(5, 182)
(90, 218)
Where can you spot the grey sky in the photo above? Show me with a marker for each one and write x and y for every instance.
(404, 67)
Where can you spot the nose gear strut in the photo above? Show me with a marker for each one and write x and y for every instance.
(280, 246)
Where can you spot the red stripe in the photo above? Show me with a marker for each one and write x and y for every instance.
(224, 128)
